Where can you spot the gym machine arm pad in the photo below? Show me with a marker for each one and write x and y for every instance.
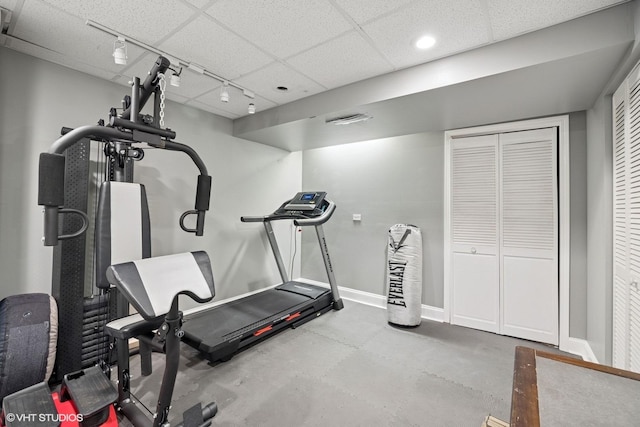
(203, 195)
(51, 196)
(51, 180)
(203, 191)
(51, 193)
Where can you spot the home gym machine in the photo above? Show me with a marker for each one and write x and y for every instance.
(63, 182)
(221, 331)
(64, 185)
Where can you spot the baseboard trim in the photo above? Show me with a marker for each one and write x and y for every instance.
(433, 313)
(580, 347)
(380, 301)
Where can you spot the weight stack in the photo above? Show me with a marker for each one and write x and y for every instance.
(97, 312)
(404, 275)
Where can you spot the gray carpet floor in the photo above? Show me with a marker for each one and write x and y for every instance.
(350, 368)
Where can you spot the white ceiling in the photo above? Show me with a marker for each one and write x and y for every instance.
(308, 46)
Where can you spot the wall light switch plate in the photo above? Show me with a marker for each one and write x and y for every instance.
(357, 217)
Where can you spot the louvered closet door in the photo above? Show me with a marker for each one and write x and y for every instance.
(529, 234)
(474, 229)
(626, 225)
(621, 275)
(633, 212)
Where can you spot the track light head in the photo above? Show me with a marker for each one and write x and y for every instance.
(224, 92)
(252, 108)
(120, 51)
(175, 77)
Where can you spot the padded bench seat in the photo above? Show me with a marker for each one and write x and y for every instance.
(151, 285)
(135, 326)
(132, 326)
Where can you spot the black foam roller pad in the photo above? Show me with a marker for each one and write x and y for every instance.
(203, 193)
(51, 180)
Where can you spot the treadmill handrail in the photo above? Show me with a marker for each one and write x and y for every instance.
(319, 220)
(298, 219)
(272, 217)
(253, 218)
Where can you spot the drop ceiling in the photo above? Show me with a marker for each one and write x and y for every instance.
(334, 56)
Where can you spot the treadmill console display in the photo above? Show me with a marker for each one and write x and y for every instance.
(306, 201)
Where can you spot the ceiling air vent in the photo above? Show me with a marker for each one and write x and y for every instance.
(350, 119)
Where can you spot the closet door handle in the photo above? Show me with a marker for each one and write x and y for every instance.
(634, 285)
(473, 250)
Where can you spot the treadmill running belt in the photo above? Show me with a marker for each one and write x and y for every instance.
(224, 325)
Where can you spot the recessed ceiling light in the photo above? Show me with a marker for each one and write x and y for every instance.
(425, 42)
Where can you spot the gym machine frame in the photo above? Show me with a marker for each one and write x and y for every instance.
(122, 131)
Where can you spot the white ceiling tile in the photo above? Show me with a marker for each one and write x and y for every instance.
(281, 27)
(211, 109)
(145, 20)
(365, 10)
(198, 3)
(60, 32)
(218, 50)
(510, 18)
(177, 98)
(8, 4)
(266, 80)
(456, 25)
(357, 59)
(58, 58)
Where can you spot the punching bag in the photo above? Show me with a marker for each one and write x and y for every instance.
(404, 275)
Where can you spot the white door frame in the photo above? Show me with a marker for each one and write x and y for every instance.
(562, 122)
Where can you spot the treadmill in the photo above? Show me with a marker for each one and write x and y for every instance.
(221, 331)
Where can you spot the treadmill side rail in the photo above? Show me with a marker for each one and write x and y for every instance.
(337, 301)
(276, 251)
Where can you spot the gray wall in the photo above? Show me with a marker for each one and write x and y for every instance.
(578, 231)
(401, 180)
(38, 98)
(600, 228)
(388, 181)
